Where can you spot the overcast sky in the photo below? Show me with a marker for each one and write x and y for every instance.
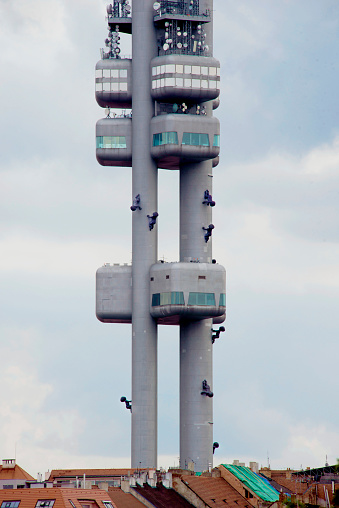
(62, 215)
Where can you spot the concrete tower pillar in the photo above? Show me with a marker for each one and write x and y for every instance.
(196, 410)
(144, 243)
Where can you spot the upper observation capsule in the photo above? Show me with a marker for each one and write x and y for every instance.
(114, 141)
(179, 138)
(187, 291)
(113, 83)
(185, 77)
(114, 294)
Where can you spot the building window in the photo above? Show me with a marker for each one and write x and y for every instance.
(169, 298)
(165, 138)
(10, 486)
(10, 504)
(216, 140)
(45, 502)
(201, 299)
(195, 139)
(107, 504)
(111, 142)
(72, 504)
(222, 300)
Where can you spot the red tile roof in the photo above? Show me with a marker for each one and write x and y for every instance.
(295, 486)
(14, 473)
(122, 499)
(29, 497)
(216, 492)
(72, 473)
(160, 497)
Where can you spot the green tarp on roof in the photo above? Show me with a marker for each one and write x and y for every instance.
(253, 482)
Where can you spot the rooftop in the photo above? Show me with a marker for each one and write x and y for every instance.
(215, 491)
(11, 471)
(80, 497)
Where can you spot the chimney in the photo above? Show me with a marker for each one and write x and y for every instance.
(8, 463)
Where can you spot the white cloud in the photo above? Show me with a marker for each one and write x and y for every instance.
(33, 33)
(309, 445)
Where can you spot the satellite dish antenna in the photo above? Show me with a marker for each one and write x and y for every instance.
(179, 45)
(165, 46)
(156, 6)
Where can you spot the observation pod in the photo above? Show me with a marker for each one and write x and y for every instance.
(187, 291)
(179, 138)
(113, 83)
(185, 77)
(114, 294)
(114, 141)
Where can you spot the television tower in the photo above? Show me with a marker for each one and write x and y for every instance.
(171, 86)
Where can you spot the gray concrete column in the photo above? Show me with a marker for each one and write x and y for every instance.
(144, 243)
(196, 410)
